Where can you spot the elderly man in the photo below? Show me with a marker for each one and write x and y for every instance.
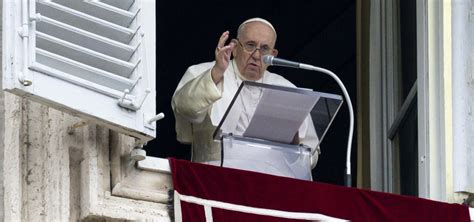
(206, 90)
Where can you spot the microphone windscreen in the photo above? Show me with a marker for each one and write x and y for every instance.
(267, 59)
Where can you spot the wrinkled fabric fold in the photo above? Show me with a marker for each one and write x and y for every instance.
(279, 193)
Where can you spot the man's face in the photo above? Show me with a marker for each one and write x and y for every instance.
(250, 64)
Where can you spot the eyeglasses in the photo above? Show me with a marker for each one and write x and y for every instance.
(251, 47)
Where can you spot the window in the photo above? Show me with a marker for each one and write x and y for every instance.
(403, 131)
(95, 59)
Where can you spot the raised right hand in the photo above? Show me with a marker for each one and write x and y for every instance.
(222, 54)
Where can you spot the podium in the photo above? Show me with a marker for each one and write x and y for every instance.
(275, 129)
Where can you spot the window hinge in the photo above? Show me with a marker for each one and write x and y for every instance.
(35, 18)
(23, 31)
(132, 104)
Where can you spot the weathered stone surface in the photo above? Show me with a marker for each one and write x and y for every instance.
(55, 172)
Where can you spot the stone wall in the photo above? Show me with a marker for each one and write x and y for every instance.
(58, 168)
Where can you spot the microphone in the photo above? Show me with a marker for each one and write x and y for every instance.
(273, 61)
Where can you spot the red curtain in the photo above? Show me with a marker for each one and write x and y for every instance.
(279, 193)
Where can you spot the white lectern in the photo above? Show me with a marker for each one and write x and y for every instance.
(261, 128)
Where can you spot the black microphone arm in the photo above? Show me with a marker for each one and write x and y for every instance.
(273, 61)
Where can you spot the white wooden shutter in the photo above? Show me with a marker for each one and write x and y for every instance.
(95, 59)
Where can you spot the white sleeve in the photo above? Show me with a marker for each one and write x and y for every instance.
(194, 96)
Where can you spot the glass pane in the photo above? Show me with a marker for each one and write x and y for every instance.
(254, 106)
(408, 46)
(405, 146)
(406, 156)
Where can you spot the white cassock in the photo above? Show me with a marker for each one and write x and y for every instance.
(199, 105)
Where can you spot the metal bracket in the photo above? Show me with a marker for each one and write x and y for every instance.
(72, 129)
(138, 153)
(149, 121)
(23, 80)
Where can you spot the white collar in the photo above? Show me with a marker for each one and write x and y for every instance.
(239, 77)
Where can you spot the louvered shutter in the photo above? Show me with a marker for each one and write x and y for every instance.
(92, 58)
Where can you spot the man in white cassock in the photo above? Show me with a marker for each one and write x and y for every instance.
(206, 90)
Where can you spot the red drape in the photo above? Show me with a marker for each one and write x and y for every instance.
(279, 193)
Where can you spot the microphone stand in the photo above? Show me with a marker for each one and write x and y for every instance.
(348, 178)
